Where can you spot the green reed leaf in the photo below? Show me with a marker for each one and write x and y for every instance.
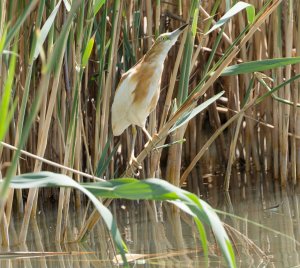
(88, 51)
(259, 66)
(6, 113)
(192, 113)
(238, 7)
(133, 189)
(45, 30)
(97, 5)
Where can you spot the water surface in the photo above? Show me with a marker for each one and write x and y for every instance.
(158, 235)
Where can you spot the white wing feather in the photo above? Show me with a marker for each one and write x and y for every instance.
(122, 104)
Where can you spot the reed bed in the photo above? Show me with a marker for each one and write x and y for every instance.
(63, 93)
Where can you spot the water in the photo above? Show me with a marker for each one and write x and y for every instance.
(169, 238)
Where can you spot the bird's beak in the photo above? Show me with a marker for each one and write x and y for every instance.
(178, 31)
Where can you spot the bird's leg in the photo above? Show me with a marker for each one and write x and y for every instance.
(147, 134)
(149, 137)
(133, 161)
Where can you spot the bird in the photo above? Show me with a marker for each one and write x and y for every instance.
(138, 91)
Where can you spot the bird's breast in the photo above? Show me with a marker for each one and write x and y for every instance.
(148, 84)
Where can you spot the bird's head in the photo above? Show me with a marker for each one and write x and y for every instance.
(167, 40)
(159, 50)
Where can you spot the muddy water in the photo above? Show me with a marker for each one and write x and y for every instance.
(164, 237)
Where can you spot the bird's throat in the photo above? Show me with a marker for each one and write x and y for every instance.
(156, 54)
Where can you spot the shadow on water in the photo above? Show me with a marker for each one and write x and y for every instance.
(158, 235)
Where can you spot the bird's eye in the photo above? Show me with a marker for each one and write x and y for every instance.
(163, 38)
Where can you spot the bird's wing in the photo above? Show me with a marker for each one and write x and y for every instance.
(122, 102)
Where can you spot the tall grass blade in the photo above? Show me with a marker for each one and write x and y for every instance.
(186, 117)
(45, 30)
(276, 88)
(238, 7)
(104, 161)
(97, 5)
(259, 66)
(187, 55)
(62, 39)
(20, 21)
(6, 113)
(87, 51)
(67, 5)
(3, 39)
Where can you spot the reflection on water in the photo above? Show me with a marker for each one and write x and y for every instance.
(167, 238)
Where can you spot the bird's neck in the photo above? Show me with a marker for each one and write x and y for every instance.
(156, 54)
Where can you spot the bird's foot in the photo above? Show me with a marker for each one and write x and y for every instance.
(135, 166)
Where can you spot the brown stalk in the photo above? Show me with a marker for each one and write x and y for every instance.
(288, 30)
(276, 106)
(251, 142)
(296, 112)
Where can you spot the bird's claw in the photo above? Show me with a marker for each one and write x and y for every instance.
(135, 166)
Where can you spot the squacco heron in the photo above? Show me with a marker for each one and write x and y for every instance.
(138, 91)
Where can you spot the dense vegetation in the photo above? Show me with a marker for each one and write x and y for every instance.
(60, 65)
